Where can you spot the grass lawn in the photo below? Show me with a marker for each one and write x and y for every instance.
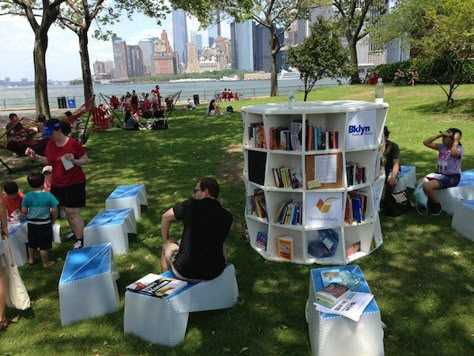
(422, 277)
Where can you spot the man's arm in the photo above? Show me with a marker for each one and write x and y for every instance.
(395, 170)
(166, 220)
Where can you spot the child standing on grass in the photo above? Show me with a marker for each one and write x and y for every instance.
(12, 198)
(41, 211)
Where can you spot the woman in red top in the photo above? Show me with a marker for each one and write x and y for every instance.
(68, 181)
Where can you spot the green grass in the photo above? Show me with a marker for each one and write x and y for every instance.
(419, 276)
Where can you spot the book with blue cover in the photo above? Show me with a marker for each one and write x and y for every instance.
(261, 240)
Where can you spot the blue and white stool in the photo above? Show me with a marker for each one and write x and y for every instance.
(463, 191)
(111, 226)
(335, 335)
(88, 284)
(164, 320)
(407, 179)
(128, 196)
(463, 217)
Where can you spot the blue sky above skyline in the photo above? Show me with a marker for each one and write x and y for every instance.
(62, 57)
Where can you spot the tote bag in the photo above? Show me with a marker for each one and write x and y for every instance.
(17, 296)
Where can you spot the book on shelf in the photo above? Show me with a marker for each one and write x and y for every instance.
(356, 207)
(351, 306)
(319, 139)
(289, 213)
(256, 204)
(325, 245)
(331, 294)
(285, 177)
(352, 249)
(157, 285)
(296, 135)
(355, 174)
(285, 247)
(261, 240)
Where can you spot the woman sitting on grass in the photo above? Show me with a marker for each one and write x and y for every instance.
(448, 173)
(213, 108)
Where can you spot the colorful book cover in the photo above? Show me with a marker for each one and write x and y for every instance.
(285, 248)
(157, 285)
(331, 294)
(261, 240)
(332, 276)
(352, 249)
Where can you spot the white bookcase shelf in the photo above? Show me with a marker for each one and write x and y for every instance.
(315, 167)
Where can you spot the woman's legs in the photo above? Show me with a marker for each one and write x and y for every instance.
(430, 188)
(76, 222)
(3, 294)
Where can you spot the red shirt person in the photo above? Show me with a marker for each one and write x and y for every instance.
(68, 181)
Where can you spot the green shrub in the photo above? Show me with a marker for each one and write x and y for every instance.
(429, 71)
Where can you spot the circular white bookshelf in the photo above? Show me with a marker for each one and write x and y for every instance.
(314, 180)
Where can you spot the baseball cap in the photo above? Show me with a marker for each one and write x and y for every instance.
(47, 169)
(386, 131)
(450, 132)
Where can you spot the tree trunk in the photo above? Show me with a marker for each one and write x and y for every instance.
(274, 79)
(85, 64)
(355, 79)
(41, 77)
(306, 89)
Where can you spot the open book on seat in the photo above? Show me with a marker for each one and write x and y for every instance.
(157, 286)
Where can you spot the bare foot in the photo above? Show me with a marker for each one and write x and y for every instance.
(48, 264)
(31, 262)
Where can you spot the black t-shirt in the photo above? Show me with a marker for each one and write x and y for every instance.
(391, 153)
(206, 226)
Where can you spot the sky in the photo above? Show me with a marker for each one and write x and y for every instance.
(62, 57)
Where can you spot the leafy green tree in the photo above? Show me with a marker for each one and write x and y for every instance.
(354, 16)
(78, 15)
(320, 55)
(40, 15)
(438, 30)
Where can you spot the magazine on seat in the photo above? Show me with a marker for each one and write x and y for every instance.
(157, 286)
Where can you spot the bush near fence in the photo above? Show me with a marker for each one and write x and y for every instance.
(429, 71)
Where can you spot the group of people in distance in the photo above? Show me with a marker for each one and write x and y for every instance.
(448, 172)
(228, 95)
(402, 78)
(19, 137)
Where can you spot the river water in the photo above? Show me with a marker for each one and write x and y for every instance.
(23, 97)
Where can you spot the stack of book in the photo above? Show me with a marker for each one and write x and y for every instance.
(331, 294)
(319, 139)
(286, 139)
(356, 207)
(355, 173)
(257, 135)
(256, 204)
(285, 177)
(290, 213)
(157, 286)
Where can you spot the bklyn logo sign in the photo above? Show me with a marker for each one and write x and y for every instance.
(359, 130)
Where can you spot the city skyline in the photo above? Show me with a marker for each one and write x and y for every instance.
(62, 58)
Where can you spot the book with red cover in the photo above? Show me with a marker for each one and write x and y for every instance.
(331, 294)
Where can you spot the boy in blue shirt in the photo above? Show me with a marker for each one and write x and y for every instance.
(41, 210)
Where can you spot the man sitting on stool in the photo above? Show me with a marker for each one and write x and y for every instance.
(200, 255)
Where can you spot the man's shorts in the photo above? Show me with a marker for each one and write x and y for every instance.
(73, 196)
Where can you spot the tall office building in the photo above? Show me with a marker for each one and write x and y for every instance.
(242, 45)
(164, 60)
(193, 61)
(180, 35)
(119, 48)
(148, 51)
(134, 61)
(214, 30)
(262, 51)
(196, 38)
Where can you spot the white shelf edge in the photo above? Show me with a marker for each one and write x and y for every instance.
(256, 218)
(285, 152)
(284, 190)
(322, 152)
(356, 256)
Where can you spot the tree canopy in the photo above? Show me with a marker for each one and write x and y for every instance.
(320, 55)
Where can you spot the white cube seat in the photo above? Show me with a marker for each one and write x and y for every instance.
(463, 217)
(88, 284)
(128, 196)
(407, 179)
(18, 237)
(335, 335)
(164, 320)
(463, 191)
(111, 226)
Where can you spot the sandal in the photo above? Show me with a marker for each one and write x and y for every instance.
(3, 325)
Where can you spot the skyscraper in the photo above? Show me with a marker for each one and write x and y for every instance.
(214, 30)
(196, 38)
(134, 61)
(120, 58)
(148, 51)
(180, 34)
(242, 45)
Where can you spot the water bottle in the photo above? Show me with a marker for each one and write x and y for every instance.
(379, 91)
(291, 100)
